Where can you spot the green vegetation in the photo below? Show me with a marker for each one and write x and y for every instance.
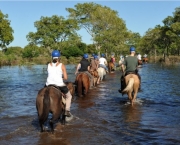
(108, 31)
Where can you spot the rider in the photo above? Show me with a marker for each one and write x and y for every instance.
(121, 60)
(56, 76)
(103, 62)
(139, 56)
(94, 66)
(130, 63)
(145, 55)
(113, 60)
(94, 63)
(84, 66)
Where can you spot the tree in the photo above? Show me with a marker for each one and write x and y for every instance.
(6, 31)
(31, 51)
(103, 24)
(52, 31)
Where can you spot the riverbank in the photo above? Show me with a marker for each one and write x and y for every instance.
(8, 61)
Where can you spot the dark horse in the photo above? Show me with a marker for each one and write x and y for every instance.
(140, 62)
(111, 67)
(145, 59)
(50, 100)
(82, 83)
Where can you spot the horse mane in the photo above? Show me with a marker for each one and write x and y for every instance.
(129, 86)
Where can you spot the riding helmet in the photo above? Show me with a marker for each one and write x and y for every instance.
(132, 48)
(85, 56)
(95, 57)
(56, 53)
(93, 54)
(102, 55)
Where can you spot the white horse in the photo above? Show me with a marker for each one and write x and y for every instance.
(101, 73)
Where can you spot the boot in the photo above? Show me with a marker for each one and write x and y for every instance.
(123, 85)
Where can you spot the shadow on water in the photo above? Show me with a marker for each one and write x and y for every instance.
(102, 117)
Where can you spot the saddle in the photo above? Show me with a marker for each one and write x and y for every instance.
(63, 95)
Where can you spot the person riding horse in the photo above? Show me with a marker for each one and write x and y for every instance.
(84, 66)
(131, 64)
(56, 74)
(94, 68)
(103, 62)
(113, 60)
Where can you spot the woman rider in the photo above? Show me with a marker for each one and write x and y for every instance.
(56, 76)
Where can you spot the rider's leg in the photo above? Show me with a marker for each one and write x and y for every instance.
(68, 104)
(65, 90)
(123, 84)
(91, 79)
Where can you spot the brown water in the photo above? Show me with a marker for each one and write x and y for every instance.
(104, 117)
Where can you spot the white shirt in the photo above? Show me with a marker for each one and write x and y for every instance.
(139, 56)
(102, 60)
(55, 75)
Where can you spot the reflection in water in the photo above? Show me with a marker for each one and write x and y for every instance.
(102, 117)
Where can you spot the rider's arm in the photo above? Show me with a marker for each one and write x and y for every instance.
(88, 68)
(78, 67)
(123, 68)
(65, 77)
(105, 61)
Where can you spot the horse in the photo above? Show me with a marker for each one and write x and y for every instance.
(82, 83)
(145, 59)
(49, 100)
(94, 73)
(101, 73)
(71, 88)
(111, 67)
(132, 86)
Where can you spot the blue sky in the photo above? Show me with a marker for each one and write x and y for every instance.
(139, 16)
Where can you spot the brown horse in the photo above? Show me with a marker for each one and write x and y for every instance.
(71, 88)
(111, 67)
(82, 83)
(132, 86)
(145, 59)
(49, 100)
(96, 77)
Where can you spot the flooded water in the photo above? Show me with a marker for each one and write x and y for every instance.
(103, 117)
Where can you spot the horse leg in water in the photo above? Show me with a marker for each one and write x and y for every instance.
(86, 83)
(56, 107)
(79, 85)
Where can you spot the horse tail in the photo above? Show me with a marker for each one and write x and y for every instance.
(79, 85)
(46, 105)
(129, 85)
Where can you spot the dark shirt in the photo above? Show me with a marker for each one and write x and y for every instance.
(84, 65)
(131, 63)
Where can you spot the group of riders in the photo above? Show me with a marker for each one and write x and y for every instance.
(57, 73)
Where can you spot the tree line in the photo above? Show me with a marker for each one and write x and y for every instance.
(107, 30)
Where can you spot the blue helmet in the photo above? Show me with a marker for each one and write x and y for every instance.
(93, 54)
(95, 57)
(102, 55)
(85, 56)
(132, 48)
(56, 53)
